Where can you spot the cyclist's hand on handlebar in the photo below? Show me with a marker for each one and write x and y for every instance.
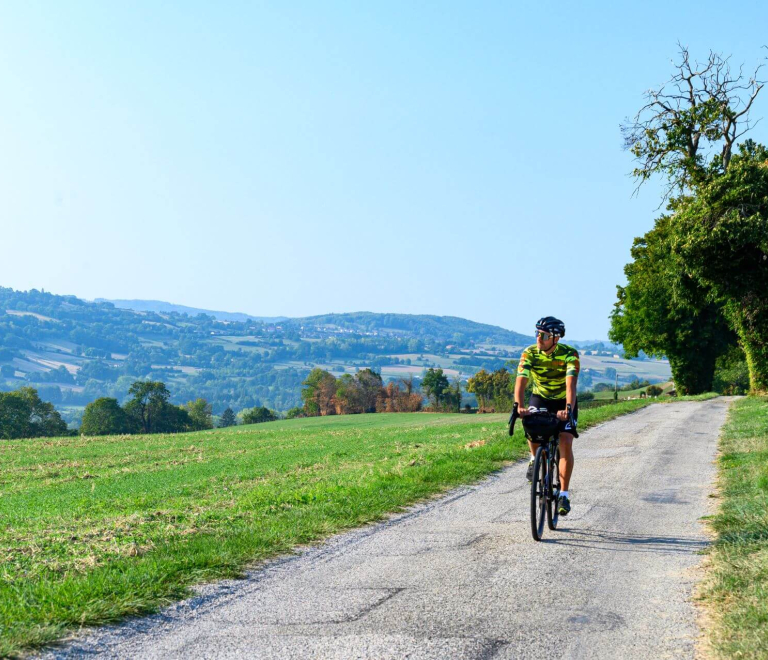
(523, 412)
(562, 415)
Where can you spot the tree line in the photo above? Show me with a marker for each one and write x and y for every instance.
(23, 414)
(324, 394)
(697, 286)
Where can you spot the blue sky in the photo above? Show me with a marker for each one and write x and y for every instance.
(308, 157)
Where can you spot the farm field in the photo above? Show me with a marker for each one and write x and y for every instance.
(666, 387)
(94, 529)
(643, 369)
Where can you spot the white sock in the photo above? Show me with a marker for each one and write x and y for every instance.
(533, 458)
(564, 493)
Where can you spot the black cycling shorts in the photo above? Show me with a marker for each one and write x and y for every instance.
(553, 406)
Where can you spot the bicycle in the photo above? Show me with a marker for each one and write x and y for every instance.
(541, 427)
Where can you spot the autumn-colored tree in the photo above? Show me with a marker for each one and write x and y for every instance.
(319, 393)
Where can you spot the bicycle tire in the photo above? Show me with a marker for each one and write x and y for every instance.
(553, 514)
(538, 493)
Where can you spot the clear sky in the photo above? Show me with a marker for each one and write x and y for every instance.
(297, 158)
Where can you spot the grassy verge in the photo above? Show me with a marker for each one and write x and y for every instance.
(95, 529)
(736, 588)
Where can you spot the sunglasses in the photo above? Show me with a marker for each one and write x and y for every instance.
(546, 336)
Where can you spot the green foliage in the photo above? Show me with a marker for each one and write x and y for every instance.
(150, 411)
(24, 415)
(434, 385)
(259, 415)
(721, 238)
(228, 418)
(653, 390)
(104, 416)
(200, 415)
(585, 396)
(664, 312)
(731, 373)
(295, 413)
(494, 391)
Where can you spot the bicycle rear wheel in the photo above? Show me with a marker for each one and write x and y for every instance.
(553, 490)
(538, 493)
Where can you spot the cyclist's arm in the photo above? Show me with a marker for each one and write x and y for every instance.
(570, 390)
(523, 372)
(520, 385)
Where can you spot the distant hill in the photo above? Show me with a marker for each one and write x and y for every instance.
(440, 328)
(158, 306)
(74, 351)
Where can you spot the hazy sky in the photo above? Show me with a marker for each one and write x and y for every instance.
(297, 158)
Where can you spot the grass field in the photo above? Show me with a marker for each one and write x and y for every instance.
(94, 529)
(736, 588)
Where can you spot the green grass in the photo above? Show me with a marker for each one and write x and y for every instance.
(736, 587)
(95, 529)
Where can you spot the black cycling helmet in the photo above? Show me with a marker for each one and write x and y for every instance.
(552, 325)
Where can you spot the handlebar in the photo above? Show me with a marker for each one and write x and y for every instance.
(512, 418)
(516, 415)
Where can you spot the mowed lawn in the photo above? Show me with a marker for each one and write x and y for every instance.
(96, 528)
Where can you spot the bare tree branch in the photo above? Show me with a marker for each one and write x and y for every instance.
(688, 127)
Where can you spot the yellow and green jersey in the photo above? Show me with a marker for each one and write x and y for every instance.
(549, 371)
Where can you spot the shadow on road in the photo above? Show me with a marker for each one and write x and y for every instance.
(598, 539)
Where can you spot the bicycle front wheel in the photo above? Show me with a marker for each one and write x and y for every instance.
(539, 494)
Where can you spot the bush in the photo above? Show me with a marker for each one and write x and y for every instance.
(653, 390)
(585, 396)
(259, 415)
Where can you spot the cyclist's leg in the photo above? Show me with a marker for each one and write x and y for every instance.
(566, 449)
(566, 459)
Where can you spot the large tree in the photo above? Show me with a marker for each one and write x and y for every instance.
(686, 132)
(663, 312)
(104, 416)
(24, 415)
(200, 414)
(319, 392)
(435, 385)
(721, 237)
(150, 410)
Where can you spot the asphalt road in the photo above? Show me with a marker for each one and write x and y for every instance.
(460, 577)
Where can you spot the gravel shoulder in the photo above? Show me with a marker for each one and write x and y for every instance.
(461, 577)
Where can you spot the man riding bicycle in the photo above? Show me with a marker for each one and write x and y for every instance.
(554, 368)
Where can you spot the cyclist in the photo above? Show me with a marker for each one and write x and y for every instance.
(554, 368)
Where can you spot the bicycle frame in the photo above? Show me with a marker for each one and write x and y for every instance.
(545, 484)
